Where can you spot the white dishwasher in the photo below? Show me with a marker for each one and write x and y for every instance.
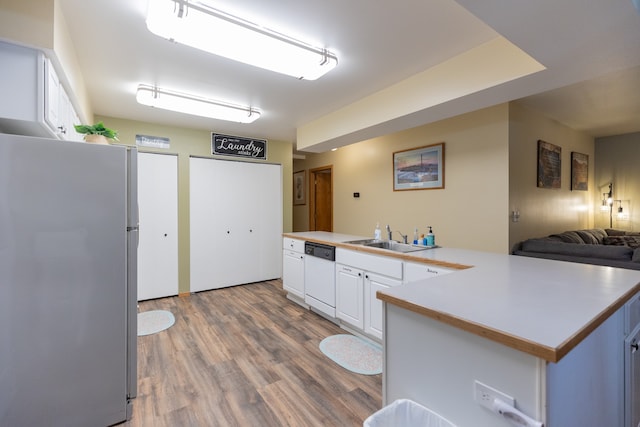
(320, 277)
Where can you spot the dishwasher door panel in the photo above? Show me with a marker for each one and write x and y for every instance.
(320, 284)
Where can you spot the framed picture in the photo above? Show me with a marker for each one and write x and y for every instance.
(549, 165)
(579, 171)
(419, 168)
(299, 188)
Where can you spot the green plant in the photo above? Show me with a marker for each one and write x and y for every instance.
(97, 129)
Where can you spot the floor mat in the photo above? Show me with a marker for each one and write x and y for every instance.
(152, 322)
(353, 353)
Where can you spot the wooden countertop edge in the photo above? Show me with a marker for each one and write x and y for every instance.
(570, 343)
(383, 252)
(549, 354)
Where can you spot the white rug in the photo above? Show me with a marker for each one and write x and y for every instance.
(353, 353)
(152, 322)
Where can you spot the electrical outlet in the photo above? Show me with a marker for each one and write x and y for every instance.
(485, 396)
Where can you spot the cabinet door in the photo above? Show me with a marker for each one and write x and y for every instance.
(293, 272)
(632, 379)
(373, 306)
(350, 295)
(51, 97)
(65, 115)
(158, 211)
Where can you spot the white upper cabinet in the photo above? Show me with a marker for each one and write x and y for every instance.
(35, 101)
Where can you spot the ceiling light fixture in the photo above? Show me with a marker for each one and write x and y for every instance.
(195, 105)
(196, 24)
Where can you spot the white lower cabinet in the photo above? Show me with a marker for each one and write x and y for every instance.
(359, 276)
(350, 295)
(373, 307)
(293, 267)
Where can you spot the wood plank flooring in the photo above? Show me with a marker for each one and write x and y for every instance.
(245, 356)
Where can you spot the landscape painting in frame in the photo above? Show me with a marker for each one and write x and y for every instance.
(549, 165)
(419, 168)
(299, 188)
(579, 171)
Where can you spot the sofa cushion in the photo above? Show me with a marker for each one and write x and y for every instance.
(592, 251)
(593, 236)
(568, 237)
(614, 232)
(631, 241)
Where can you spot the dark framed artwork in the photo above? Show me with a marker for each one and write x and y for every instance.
(549, 165)
(299, 188)
(579, 171)
(419, 168)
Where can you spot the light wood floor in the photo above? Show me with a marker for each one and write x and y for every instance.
(245, 356)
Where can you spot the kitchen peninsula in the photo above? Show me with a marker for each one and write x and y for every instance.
(554, 336)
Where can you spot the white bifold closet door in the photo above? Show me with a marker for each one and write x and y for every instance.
(158, 210)
(235, 222)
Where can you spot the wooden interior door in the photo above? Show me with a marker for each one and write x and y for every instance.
(321, 199)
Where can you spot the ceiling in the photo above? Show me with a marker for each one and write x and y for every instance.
(590, 50)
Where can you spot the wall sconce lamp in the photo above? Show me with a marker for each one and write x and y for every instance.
(196, 24)
(607, 199)
(607, 205)
(195, 105)
(622, 214)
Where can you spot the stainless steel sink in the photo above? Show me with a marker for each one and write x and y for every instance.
(390, 245)
(362, 242)
(395, 246)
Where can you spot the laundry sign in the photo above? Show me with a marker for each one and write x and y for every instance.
(238, 146)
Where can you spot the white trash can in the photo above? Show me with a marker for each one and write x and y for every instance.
(406, 413)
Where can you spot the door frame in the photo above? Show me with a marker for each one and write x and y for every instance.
(312, 194)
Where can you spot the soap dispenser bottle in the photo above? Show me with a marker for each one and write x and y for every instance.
(415, 237)
(377, 234)
(431, 238)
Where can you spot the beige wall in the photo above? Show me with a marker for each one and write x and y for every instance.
(40, 24)
(470, 212)
(186, 143)
(545, 211)
(30, 22)
(617, 160)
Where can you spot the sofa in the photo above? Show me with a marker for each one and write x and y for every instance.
(610, 247)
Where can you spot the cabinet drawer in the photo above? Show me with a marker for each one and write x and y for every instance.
(414, 271)
(391, 267)
(293, 244)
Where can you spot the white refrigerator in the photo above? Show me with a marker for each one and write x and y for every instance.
(68, 312)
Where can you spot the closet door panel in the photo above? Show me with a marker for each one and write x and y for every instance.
(158, 210)
(270, 221)
(236, 223)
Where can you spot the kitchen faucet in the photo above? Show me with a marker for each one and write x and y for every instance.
(389, 233)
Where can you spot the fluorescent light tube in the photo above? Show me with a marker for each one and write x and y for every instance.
(195, 24)
(194, 105)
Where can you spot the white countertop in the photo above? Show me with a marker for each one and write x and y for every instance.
(539, 306)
